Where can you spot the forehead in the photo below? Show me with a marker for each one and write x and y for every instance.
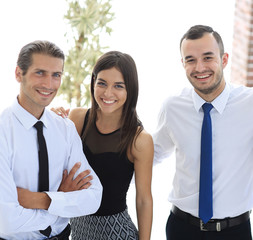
(111, 74)
(198, 47)
(46, 62)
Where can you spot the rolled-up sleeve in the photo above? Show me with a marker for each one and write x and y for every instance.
(13, 217)
(82, 202)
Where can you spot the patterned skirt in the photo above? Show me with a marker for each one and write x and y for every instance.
(113, 227)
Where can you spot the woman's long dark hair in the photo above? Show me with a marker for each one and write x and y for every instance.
(131, 126)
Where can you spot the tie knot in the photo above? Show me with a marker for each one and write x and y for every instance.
(207, 107)
(38, 125)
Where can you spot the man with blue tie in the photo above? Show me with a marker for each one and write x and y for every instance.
(37, 146)
(210, 128)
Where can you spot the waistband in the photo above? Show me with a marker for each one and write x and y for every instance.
(212, 224)
(64, 235)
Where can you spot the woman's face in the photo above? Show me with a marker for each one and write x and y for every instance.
(110, 91)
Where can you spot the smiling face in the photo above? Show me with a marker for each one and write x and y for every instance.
(110, 91)
(204, 65)
(39, 85)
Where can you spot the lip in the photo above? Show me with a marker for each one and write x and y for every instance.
(44, 93)
(203, 77)
(107, 101)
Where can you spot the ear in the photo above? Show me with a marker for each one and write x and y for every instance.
(224, 60)
(94, 80)
(182, 61)
(18, 74)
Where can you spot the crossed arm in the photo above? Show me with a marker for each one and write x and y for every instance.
(40, 200)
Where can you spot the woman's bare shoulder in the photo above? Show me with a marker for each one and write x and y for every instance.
(143, 140)
(78, 112)
(142, 146)
(77, 115)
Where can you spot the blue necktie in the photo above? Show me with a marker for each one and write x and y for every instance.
(205, 184)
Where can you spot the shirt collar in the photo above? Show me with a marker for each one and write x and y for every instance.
(218, 103)
(26, 118)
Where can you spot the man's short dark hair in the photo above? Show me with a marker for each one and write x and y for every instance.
(198, 31)
(41, 47)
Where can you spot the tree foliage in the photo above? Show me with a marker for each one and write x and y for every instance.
(88, 21)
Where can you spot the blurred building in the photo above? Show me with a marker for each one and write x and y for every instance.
(242, 53)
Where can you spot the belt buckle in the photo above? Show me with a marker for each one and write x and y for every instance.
(202, 226)
(218, 226)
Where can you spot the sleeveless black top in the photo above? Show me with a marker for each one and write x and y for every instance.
(114, 170)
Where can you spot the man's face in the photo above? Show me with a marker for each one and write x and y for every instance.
(204, 65)
(39, 85)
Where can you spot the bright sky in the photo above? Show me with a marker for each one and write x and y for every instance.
(148, 30)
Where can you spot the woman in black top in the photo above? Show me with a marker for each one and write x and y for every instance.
(116, 146)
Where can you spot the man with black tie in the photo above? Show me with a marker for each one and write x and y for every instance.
(36, 147)
(210, 128)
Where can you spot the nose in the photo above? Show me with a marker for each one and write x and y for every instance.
(47, 82)
(108, 92)
(199, 66)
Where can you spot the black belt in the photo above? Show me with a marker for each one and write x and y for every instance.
(64, 235)
(212, 224)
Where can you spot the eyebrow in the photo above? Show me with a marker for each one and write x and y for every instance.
(42, 70)
(208, 53)
(204, 54)
(39, 69)
(101, 79)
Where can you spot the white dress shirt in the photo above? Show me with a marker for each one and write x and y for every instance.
(19, 168)
(179, 129)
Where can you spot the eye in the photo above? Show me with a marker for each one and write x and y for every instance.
(101, 84)
(57, 75)
(120, 86)
(208, 58)
(39, 72)
(189, 60)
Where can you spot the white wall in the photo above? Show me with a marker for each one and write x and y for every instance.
(150, 31)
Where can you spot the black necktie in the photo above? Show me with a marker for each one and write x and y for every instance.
(43, 167)
(206, 181)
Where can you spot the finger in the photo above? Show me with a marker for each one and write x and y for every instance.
(58, 112)
(74, 170)
(64, 175)
(64, 112)
(61, 112)
(19, 189)
(54, 110)
(85, 186)
(84, 181)
(82, 175)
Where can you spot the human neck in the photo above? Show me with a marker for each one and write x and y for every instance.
(107, 123)
(36, 111)
(209, 97)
